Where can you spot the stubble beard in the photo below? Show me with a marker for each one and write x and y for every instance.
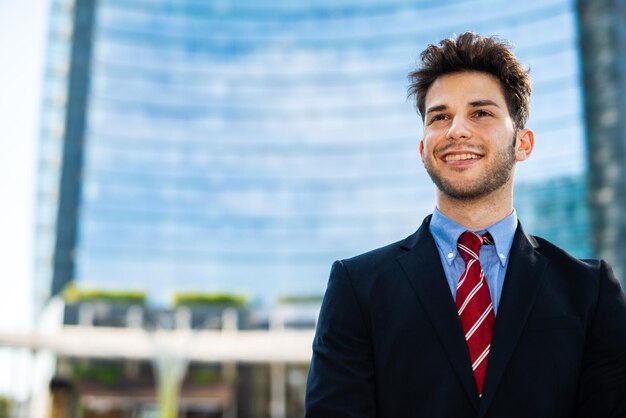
(494, 176)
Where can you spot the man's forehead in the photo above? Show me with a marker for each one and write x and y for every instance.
(467, 88)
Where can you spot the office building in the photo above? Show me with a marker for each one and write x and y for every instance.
(242, 147)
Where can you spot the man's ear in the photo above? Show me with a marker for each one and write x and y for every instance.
(421, 147)
(525, 142)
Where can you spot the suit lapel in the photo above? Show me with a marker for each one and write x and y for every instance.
(522, 281)
(423, 269)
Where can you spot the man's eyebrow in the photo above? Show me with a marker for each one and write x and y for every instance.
(485, 102)
(436, 108)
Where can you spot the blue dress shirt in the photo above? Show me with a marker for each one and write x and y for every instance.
(493, 258)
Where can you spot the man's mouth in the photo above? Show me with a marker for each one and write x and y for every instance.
(461, 157)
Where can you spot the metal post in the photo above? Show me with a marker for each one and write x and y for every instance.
(278, 392)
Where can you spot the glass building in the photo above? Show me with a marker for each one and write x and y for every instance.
(242, 146)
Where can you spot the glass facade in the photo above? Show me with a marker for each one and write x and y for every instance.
(603, 40)
(53, 128)
(243, 146)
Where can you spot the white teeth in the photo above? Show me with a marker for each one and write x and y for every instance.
(459, 157)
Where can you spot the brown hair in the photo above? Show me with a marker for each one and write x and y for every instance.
(472, 52)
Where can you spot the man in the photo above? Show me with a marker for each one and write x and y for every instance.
(470, 316)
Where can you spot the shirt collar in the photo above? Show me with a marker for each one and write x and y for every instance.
(446, 233)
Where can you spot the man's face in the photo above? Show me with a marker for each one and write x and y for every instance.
(470, 145)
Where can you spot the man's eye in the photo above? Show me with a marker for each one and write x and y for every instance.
(482, 113)
(437, 117)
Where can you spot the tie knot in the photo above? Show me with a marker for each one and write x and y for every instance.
(469, 244)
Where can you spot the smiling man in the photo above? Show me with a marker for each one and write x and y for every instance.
(470, 316)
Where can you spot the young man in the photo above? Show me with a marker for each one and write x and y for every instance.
(470, 316)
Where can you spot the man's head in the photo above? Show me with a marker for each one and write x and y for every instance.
(472, 52)
(473, 130)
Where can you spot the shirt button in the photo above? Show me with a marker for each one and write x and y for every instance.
(502, 256)
(450, 255)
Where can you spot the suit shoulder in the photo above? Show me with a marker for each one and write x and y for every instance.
(561, 259)
(377, 259)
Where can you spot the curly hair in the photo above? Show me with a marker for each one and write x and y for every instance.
(472, 52)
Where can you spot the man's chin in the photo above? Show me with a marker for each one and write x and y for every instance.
(462, 195)
(463, 191)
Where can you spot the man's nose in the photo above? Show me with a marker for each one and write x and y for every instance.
(459, 129)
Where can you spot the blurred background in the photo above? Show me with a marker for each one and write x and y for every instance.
(179, 175)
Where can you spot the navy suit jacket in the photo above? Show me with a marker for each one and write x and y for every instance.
(389, 342)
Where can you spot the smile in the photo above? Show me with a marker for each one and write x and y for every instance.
(461, 157)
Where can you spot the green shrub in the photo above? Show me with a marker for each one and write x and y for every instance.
(204, 377)
(105, 375)
(209, 299)
(5, 407)
(297, 299)
(73, 294)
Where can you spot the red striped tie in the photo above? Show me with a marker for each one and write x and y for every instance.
(474, 304)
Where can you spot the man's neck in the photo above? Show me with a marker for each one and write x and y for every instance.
(477, 214)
